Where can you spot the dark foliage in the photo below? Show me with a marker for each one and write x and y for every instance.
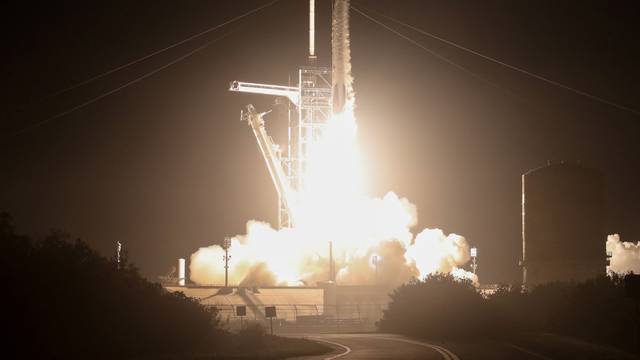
(63, 300)
(252, 334)
(439, 306)
(596, 310)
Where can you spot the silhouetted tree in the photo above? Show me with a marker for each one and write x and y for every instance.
(63, 300)
(438, 306)
(595, 310)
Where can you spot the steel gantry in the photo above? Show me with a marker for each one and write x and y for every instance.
(309, 108)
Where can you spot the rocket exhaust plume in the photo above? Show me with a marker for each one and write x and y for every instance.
(372, 238)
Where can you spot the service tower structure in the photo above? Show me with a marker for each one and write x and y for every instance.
(310, 107)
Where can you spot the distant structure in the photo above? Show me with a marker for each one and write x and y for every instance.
(118, 252)
(474, 259)
(563, 211)
(182, 272)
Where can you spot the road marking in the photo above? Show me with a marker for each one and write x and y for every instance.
(527, 351)
(345, 347)
(446, 354)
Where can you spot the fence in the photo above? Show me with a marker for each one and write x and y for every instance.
(307, 317)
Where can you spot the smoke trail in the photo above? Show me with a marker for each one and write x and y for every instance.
(625, 256)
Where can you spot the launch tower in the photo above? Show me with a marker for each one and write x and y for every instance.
(310, 106)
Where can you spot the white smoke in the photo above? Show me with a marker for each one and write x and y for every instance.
(359, 230)
(433, 251)
(625, 256)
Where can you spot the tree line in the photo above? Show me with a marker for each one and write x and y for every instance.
(64, 300)
(600, 310)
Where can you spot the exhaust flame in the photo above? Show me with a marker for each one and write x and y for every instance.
(333, 207)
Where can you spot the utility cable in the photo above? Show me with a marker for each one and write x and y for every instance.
(109, 72)
(448, 61)
(138, 79)
(512, 67)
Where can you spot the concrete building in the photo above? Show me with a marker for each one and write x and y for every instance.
(563, 213)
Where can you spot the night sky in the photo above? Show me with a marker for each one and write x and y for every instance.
(166, 167)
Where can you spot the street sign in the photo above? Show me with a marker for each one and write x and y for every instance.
(241, 310)
(270, 311)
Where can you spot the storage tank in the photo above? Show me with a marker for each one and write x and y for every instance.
(563, 213)
(182, 272)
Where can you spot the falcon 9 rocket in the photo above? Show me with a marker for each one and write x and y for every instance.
(340, 56)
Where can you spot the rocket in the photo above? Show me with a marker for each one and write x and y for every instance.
(342, 90)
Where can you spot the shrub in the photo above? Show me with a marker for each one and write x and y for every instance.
(442, 307)
(438, 306)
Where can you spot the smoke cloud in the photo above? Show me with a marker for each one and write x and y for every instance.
(377, 228)
(625, 256)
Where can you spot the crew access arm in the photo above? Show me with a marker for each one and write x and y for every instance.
(271, 154)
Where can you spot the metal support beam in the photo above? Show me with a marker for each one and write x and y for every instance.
(273, 158)
(290, 92)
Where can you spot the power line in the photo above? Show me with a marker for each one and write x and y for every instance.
(103, 95)
(448, 61)
(512, 67)
(108, 72)
(138, 79)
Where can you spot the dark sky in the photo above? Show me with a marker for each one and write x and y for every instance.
(166, 167)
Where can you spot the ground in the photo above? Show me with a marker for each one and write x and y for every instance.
(525, 347)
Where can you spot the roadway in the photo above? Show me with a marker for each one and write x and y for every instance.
(388, 346)
(378, 346)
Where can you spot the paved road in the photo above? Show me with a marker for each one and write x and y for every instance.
(387, 346)
(379, 346)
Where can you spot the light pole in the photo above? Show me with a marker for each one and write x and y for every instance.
(332, 269)
(374, 260)
(474, 259)
(118, 250)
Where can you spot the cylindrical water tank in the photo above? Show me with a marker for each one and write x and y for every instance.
(563, 213)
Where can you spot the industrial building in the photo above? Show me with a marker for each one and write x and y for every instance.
(563, 214)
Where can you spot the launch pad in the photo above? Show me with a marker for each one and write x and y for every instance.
(320, 203)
